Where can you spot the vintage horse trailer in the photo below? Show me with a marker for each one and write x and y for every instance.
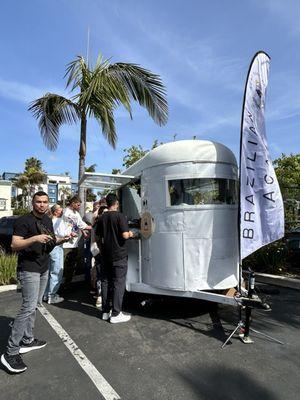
(182, 199)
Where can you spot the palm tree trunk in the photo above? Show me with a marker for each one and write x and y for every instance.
(82, 154)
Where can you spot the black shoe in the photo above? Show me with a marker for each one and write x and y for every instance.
(13, 363)
(34, 345)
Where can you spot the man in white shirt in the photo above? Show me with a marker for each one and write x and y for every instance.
(73, 219)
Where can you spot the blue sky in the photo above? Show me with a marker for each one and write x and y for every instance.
(201, 50)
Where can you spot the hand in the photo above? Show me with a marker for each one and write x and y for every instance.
(43, 238)
(85, 234)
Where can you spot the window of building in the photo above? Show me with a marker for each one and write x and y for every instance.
(200, 191)
(2, 204)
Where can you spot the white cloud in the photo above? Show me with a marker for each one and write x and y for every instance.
(24, 92)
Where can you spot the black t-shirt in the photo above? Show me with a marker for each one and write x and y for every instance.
(110, 227)
(34, 258)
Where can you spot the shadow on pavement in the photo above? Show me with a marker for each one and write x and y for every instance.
(5, 331)
(226, 384)
(200, 316)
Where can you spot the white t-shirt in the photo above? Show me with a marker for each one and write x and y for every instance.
(61, 229)
(75, 223)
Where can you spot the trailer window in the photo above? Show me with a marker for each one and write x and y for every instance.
(202, 191)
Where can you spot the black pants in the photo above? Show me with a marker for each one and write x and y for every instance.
(113, 281)
(70, 262)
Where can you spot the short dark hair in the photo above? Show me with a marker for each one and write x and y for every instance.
(101, 209)
(111, 199)
(75, 199)
(40, 193)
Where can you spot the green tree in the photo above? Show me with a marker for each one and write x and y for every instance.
(91, 168)
(32, 176)
(98, 92)
(89, 195)
(135, 153)
(116, 171)
(287, 170)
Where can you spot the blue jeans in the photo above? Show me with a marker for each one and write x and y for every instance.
(56, 270)
(33, 287)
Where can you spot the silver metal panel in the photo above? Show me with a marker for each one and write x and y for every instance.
(205, 234)
(131, 203)
(133, 261)
(166, 268)
(98, 180)
(201, 295)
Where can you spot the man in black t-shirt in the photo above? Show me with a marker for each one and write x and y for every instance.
(33, 239)
(112, 232)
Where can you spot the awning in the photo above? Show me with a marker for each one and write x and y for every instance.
(96, 180)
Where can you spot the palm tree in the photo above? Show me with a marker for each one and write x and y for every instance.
(33, 162)
(33, 175)
(100, 90)
(64, 192)
(91, 168)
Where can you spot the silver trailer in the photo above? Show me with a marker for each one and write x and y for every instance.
(182, 199)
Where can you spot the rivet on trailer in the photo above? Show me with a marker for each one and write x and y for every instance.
(182, 199)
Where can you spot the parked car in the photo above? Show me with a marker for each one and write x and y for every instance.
(293, 244)
(6, 231)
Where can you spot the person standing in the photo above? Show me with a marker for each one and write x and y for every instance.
(89, 260)
(33, 238)
(112, 232)
(63, 233)
(72, 217)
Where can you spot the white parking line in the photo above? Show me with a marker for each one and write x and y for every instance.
(99, 381)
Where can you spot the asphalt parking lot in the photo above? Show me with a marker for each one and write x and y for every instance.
(171, 349)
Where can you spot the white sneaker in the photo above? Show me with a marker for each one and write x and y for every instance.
(98, 302)
(106, 316)
(120, 318)
(55, 299)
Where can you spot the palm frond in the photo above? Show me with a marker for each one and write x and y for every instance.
(52, 111)
(107, 90)
(144, 87)
(105, 117)
(78, 74)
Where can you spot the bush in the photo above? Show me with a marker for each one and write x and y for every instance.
(20, 211)
(8, 269)
(270, 259)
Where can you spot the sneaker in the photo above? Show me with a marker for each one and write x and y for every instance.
(106, 316)
(98, 302)
(13, 363)
(45, 299)
(120, 318)
(55, 299)
(34, 345)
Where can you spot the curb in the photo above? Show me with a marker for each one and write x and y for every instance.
(6, 288)
(277, 280)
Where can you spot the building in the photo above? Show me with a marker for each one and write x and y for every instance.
(58, 187)
(11, 176)
(5, 198)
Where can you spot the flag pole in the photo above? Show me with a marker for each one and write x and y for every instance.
(251, 280)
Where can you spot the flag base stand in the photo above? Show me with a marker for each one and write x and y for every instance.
(244, 330)
(249, 303)
(239, 326)
(245, 339)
